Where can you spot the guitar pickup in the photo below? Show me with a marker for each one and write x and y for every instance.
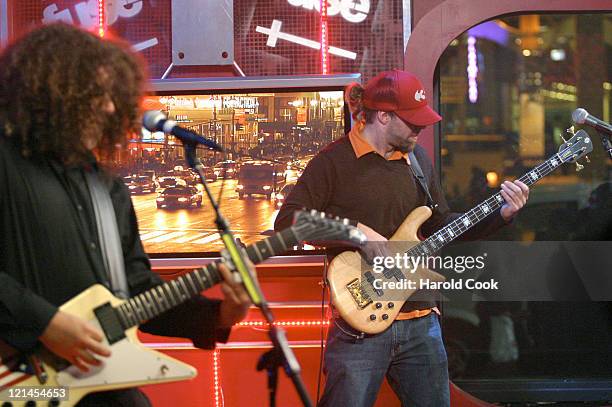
(370, 277)
(362, 299)
(393, 273)
(110, 323)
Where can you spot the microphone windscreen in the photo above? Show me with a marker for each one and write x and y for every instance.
(151, 120)
(579, 116)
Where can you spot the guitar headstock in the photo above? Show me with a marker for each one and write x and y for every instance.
(576, 147)
(315, 225)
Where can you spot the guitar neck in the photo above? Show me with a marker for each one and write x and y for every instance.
(161, 298)
(459, 226)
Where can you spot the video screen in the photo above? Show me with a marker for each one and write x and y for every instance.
(268, 138)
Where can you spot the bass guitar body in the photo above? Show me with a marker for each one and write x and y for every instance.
(374, 312)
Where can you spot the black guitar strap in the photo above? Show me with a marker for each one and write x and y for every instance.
(418, 174)
(415, 167)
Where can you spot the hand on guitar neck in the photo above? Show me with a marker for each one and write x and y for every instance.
(515, 194)
(74, 340)
(236, 303)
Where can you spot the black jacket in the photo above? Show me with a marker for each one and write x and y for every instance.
(49, 252)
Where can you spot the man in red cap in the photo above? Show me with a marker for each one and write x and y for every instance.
(367, 176)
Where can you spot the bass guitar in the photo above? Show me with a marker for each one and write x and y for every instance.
(362, 303)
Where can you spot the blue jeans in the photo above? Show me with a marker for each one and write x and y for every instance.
(410, 354)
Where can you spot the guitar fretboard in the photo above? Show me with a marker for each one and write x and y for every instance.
(465, 222)
(163, 297)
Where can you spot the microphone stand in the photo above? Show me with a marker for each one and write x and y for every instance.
(281, 354)
(605, 141)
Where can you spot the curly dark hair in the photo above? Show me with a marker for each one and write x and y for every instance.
(54, 83)
(353, 95)
(381, 88)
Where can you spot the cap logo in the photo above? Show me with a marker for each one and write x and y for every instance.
(419, 95)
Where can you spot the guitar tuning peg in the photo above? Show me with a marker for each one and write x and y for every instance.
(571, 131)
(563, 138)
(586, 157)
(579, 166)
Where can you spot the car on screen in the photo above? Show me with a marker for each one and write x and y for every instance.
(190, 177)
(170, 181)
(209, 173)
(226, 169)
(139, 184)
(182, 196)
(259, 177)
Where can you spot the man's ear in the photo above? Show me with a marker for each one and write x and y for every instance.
(384, 117)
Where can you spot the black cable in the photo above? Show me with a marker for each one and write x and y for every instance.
(225, 164)
(324, 289)
(224, 172)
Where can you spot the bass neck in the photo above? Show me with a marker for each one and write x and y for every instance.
(478, 213)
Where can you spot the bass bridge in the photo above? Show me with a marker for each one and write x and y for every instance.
(362, 299)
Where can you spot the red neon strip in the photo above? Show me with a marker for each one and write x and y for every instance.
(101, 18)
(217, 384)
(324, 39)
(285, 323)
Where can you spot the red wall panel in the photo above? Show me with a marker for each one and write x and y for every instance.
(295, 292)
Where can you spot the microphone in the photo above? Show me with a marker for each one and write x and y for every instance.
(154, 120)
(581, 116)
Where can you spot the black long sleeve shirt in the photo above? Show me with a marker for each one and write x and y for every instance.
(376, 192)
(49, 252)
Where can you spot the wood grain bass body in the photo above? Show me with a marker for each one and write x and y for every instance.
(365, 307)
(345, 273)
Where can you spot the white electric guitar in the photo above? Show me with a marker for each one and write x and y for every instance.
(131, 364)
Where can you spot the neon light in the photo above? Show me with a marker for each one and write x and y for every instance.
(145, 44)
(351, 10)
(324, 39)
(472, 70)
(101, 18)
(274, 33)
(285, 323)
(86, 16)
(216, 382)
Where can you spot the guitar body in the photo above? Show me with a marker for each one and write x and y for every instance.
(345, 270)
(360, 303)
(130, 364)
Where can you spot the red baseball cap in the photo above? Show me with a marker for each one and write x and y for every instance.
(402, 93)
